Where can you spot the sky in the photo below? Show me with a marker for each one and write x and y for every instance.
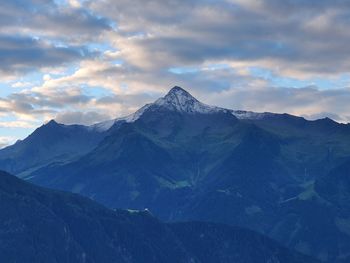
(84, 61)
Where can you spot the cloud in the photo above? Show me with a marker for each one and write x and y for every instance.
(39, 34)
(16, 124)
(310, 102)
(21, 84)
(5, 141)
(85, 118)
(30, 101)
(293, 38)
(51, 18)
(23, 54)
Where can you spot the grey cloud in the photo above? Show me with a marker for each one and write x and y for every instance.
(36, 103)
(196, 31)
(127, 100)
(79, 25)
(109, 100)
(45, 16)
(23, 54)
(305, 6)
(134, 15)
(85, 118)
(191, 32)
(41, 33)
(21, 106)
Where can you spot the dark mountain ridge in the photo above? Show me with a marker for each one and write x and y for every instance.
(41, 225)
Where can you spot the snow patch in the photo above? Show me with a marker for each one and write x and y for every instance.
(248, 115)
(102, 126)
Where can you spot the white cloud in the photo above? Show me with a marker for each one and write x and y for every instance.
(21, 84)
(17, 124)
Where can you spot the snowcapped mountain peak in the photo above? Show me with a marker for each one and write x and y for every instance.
(177, 99)
(180, 100)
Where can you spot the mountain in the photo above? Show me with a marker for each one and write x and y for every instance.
(184, 160)
(42, 225)
(52, 142)
(179, 100)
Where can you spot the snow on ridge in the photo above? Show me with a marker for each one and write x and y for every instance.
(248, 115)
(135, 116)
(103, 126)
(106, 125)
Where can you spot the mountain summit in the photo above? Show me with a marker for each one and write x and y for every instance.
(180, 100)
(177, 99)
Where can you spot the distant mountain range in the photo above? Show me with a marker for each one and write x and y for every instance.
(51, 143)
(41, 225)
(278, 174)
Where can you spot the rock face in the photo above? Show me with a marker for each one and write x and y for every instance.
(41, 225)
(184, 160)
